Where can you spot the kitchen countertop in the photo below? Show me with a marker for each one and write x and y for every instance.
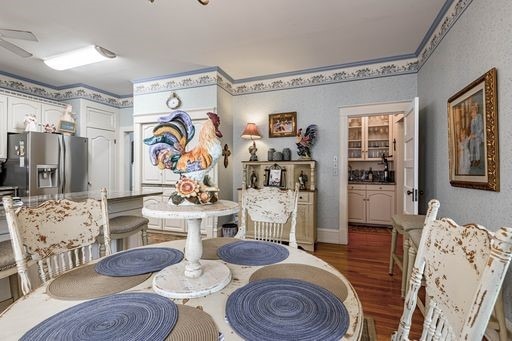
(112, 196)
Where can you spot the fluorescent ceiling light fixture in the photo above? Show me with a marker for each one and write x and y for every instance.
(87, 55)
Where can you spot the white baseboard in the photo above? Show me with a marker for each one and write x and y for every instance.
(328, 236)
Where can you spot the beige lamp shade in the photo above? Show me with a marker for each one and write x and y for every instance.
(251, 132)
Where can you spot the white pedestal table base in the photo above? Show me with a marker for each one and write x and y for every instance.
(170, 282)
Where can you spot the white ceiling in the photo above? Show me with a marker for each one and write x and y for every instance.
(246, 38)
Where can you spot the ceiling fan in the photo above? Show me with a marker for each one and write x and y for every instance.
(16, 34)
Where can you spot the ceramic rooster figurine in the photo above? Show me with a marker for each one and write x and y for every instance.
(168, 151)
(306, 140)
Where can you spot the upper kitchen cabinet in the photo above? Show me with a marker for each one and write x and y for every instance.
(3, 127)
(17, 109)
(51, 113)
(99, 123)
(369, 137)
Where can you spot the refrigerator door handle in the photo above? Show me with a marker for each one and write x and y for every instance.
(62, 166)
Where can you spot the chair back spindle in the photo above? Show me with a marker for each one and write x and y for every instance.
(269, 208)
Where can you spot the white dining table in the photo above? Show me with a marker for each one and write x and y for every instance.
(37, 306)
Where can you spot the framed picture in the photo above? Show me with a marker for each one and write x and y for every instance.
(275, 176)
(473, 135)
(282, 124)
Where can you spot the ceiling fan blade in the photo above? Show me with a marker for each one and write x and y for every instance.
(15, 49)
(17, 34)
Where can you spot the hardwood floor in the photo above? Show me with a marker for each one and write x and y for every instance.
(364, 261)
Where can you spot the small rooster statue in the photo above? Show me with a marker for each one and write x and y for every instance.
(167, 151)
(305, 141)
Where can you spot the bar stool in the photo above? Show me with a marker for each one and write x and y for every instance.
(8, 268)
(124, 226)
(402, 223)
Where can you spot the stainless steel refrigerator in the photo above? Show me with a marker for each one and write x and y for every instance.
(40, 163)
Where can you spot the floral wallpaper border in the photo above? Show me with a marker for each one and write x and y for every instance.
(451, 16)
(74, 92)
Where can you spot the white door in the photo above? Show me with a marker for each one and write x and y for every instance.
(410, 158)
(102, 159)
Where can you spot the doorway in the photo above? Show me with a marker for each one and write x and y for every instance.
(359, 111)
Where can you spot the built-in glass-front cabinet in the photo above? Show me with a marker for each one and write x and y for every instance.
(370, 137)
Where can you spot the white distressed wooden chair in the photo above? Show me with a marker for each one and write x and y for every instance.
(58, 234)
(269, 209)
(463, 268)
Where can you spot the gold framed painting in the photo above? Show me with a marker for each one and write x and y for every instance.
(282, 124)
(473, 134)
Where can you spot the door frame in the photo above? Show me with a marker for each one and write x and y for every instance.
(345, 112)
(121, 151)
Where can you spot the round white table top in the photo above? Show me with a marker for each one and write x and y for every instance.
(169, 211)
(38, 306)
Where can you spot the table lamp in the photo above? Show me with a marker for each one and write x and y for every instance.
(251, 132)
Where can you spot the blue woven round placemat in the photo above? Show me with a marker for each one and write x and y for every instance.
(286, 309)
(247, 252)
(130, 316)
(138, 261)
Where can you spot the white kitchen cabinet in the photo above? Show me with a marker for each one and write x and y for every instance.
(357, 204)
(17, 109)
(369, 137)
(51, 114)
(102, 159)
(371, 204)
(3, 127)
(380, 205)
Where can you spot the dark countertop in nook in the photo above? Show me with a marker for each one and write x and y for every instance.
(371, 183)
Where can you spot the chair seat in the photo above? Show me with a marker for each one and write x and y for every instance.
(7, 260)
(126, 223)
(408, 221)
(415, 238)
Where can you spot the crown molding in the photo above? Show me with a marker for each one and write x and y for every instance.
(75, 91)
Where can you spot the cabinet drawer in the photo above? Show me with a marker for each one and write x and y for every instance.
(381, 188)
(356, 187)
(305, 197)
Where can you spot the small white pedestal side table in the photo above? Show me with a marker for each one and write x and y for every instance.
(192, 278)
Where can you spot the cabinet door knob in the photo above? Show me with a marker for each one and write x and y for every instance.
(300, 197)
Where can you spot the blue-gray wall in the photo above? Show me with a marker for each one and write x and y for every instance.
(480, 40)
(319, 105)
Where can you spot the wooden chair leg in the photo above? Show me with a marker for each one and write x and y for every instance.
(14, 286)
(410, 262)
(145, 235)
(405, 265)
(393, 247)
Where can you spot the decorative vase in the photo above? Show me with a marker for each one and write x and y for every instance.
(287, 154)
(270, 154)
(277, 156)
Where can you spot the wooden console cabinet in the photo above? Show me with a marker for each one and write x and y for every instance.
(306, 211)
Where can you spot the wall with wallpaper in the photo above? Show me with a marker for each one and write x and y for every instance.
(320, 105)
(478, 41)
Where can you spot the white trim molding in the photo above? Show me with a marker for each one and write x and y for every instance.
(328, 236)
